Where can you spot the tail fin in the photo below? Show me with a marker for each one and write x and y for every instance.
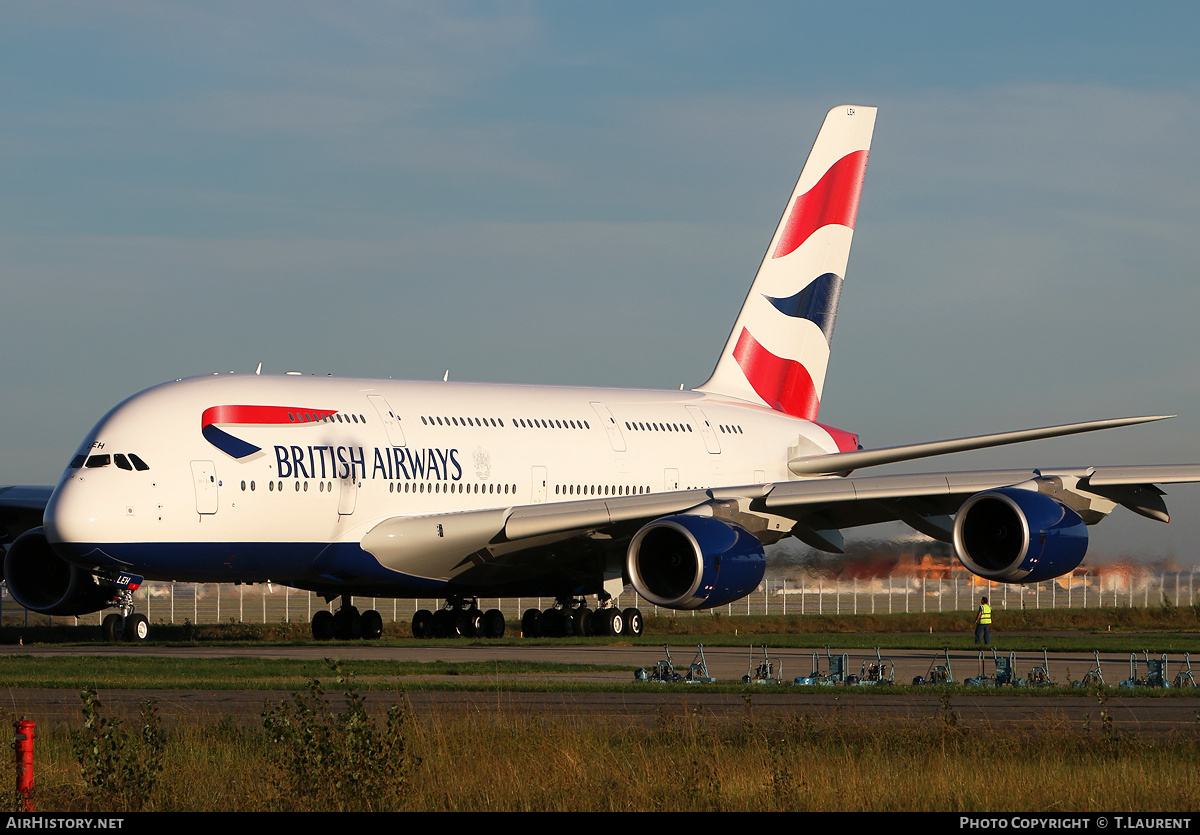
(779, 347)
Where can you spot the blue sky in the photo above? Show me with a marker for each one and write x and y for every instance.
(581, 192)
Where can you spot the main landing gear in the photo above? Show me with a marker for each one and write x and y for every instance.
(461, 617)
(347, 623)
(571, 616)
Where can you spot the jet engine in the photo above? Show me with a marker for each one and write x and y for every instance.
(694, 562)
(1010, 535)
(42, 581)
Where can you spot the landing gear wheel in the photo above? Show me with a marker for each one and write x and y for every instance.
(582, 618)
(611, 622)
(422, 624)
(111, 627)
(372, 625)
(464, 624)
(137, 629)
(551, 623)
(633, 622)
(322, 625)
(493, 624)
(531, 623)
(474, 626)
(557, 623)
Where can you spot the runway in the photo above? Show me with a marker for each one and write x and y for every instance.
(649, 703)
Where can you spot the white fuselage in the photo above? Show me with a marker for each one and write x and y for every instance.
(341, 455)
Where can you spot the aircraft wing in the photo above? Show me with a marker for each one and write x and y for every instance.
(21, 508)
(813, 510)
(925, 501)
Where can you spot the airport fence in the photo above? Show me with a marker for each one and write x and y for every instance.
(176, 603)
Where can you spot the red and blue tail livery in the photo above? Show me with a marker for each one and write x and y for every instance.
(779, 348)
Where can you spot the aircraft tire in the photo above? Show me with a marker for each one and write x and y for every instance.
(443, 623)
(492, 624)
(581, 618)
(593, 625)
(464, 623)
(111, 628)
(552, 623)
(372, 625)
(531, 623)
(474, 622)
(422, 624)
(633, 622)
(611, 622)
(136, 629)
(322, 625)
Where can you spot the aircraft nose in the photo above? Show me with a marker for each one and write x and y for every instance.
(71, 516)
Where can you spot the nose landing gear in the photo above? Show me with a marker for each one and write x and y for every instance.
(128, 625)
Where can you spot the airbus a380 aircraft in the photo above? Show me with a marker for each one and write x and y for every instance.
(381, 488)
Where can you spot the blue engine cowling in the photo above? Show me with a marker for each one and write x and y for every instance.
(694, 562)
(43, 582)
(1018, 536)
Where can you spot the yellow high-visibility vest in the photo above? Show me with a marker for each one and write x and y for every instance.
(985, 613)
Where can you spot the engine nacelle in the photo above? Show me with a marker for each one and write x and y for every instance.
(694, 562)
(42, 581)
(1018, 536)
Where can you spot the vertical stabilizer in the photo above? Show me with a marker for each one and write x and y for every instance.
(779, 347)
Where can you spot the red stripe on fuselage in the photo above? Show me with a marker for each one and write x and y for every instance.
(262, 414)
(834, 199)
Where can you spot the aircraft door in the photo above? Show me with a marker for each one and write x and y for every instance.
(349, 495)
(539, 485)
(204, 479)
(610, 426)
(391, 421)
(706, 430)
(671, 479)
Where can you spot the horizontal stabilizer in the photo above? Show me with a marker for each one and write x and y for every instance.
(844, 462)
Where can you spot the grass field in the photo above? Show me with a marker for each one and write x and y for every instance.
(319, 750)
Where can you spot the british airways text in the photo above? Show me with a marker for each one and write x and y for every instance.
(392, 463)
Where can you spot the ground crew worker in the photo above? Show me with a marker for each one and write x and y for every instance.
(983, 623)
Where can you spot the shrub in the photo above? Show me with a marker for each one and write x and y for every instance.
(337, 761)
(119, 768)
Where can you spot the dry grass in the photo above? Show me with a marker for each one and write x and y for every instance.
(485, 761)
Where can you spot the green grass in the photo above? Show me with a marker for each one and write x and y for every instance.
(1177, 624)
(150, 672)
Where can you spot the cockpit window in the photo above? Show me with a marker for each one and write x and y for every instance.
(124, 461)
